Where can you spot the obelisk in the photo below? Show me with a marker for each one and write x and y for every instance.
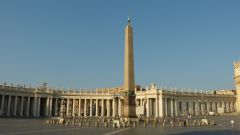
(237, 82)
(129, 82)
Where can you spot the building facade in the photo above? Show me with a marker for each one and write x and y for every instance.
(155, 102)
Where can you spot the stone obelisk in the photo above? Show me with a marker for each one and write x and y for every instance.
(237, 82)
(129, 82)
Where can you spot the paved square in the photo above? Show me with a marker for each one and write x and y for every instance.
(17, 126)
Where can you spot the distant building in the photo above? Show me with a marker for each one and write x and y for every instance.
(225, 92)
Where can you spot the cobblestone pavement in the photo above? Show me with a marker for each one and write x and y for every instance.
(18, 126)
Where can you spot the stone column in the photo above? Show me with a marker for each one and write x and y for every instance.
(184, 107)
(176, 107)
(197, 108)
(15, 106)
(235, 106)
(35, 106)
(108, 107)
(190, 107)
(56, 107)
(119, 107)
(102, 110)
(114, 107)
(161, 105)
(85, 107)
(21, 108)
(231, 107)
(28, 106)
(150, 107)
(166, 106)
(234, 109)
(96, 108)
(172, 107)
(2, 104)
(228, 107)
(47, 108)
(38, 106)
(218, 104)
(224, 106)
(147, 108)
(79, 107)
(201, 108)
(9, 105)
(91, 106)
(213, 106)
(50, 107)
(208, 106)
(193, 107)
(68, 107)
(73, 108)
(156, 106)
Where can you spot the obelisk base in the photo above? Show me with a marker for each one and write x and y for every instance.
(129, 111)
(129, 108)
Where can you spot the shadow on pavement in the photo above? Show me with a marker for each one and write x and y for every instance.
(214, 132)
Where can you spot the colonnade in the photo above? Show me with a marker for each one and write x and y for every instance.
(36, 106)
(27, 106)
(15, 105)
(93, 107)
(171, 106)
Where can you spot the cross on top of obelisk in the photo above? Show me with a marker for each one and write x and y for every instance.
(129, 19)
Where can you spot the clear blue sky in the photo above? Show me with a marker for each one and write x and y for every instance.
(80, 43)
